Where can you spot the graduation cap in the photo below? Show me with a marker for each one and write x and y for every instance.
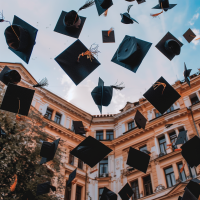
(181, 137)
(78, 127)
(48, 151)
(91, 151)
(191, 150)
(44, 188)
(194, 187)
(108, 195)
(168, 125)
(189, 35)
(108, 36)
(186, 74)
(126, 192)
(126, 18)
(169, 46)
(164, 4)
(138, 159)
(131, 52)
(20, 37)
(140, 120)
(161, 95)
(140, 1)
(82, 60)
(102, 95)
(188, 195)
(103, 5)
(9, 76)
(72, 176)
(17, 99)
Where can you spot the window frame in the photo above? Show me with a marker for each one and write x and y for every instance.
(165, 144)
(71, 159)
(104, 166)
(78, 186)
(180, 165)
(50, 113)
(192, 96)
(108, 133)
(132, 123)
(170, 175)
(136, 191)
(149, 184)
(99, 136)
(56, 118)
(173, 139)
(80, 164)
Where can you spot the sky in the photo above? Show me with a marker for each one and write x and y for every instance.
(43, 15)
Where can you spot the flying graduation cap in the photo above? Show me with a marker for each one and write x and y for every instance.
(108, 36)
(82, 59)
(108, 195)
(188, 195)
(194, 187)
(44, 188)
(126, 18)
(91, 151)
(186, 74)
(78, 127)
(140, 120)
(164, 4)
(102, 95)
(181, 137)
(48, 151)
(70, 23)
(9, 76)
(189, 35)
(17, 99)
(72, 176)
(126, 192)
(20, 37)
(131, 52)
(161, 95)
(169, 46)
(103, 5)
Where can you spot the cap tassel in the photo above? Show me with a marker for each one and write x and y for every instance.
(42, 83)
(157, 84)
(155, 15)
(129, 7)
(182, 168)
(192, 36)
(197, 39)
(106, 13)
(118, 87)
(13, 186)
(178, 150)
(18, 118)
(110, 31)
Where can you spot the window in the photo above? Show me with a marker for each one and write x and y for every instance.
(100, 192)
(99, 135)
(78, 192)
(194, 99)
(131, 125)
(183, 129)
(170, 178)
(68, 191)
(135, 188)
(170, 109)
(57, 118)
(173, 138)
(143, 149)
(109, 135)
(163, 146)
(157, 114)
(192, 171)
(181, 174)
(80, 164)
(147, 186)
(103, 168)
(71, 159)
(49, 113)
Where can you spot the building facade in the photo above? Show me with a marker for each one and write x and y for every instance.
(162, 180)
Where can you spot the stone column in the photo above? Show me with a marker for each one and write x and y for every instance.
(62, 122)
(158, 173)
(187, 173)
(75, 161)
(53, 115)
(141, 188)
(104, 134)
(68, 122)
(73, 191)
(157, 146)
(83, 193)
(168, 142)
(96, 190)
(176, 173)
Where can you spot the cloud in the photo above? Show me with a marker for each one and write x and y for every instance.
(194, 18)
(197, 33)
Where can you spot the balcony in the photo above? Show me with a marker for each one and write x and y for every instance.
(103, 175)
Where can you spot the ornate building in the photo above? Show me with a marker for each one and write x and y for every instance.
(163, 179)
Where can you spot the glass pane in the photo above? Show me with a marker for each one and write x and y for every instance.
(111, 137)
(173, 179)
(169, 170)
(194, 174)
(168, 181)
(143, 148)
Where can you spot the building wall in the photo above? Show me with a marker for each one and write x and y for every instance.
(118, 174)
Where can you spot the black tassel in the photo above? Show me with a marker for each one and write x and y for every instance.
(118, 87)
(43, 82)
(129, 7)
(87, 4)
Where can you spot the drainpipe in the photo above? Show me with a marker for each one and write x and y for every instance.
(190, 108)
(86, 183)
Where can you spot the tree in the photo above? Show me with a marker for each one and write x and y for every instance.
(20, 156)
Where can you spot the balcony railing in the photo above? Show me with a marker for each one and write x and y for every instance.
(103, 175)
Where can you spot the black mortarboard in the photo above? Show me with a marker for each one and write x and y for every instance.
(17, 99)
(131, 52)
(164, 4)
(78, 127)
(9, 76)
(69, 58)
(186, 74)
(168, 125)
(189, 35)
(169, 46)
(181, 137)
(194, 187)
(126, 18)
(108, 195)
(108, 36)
(191, 151)
(91, 151)
(140, 1)
(48, 151)
(21, 41)
(140, 120)
(188, 195)
(44, 188)
(126, 192)
(28, 195)
(138, 159)
(72, 176)
(161, 95)
(73, 30)
(103, 5)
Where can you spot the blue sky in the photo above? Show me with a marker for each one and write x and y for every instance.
(43, 14)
